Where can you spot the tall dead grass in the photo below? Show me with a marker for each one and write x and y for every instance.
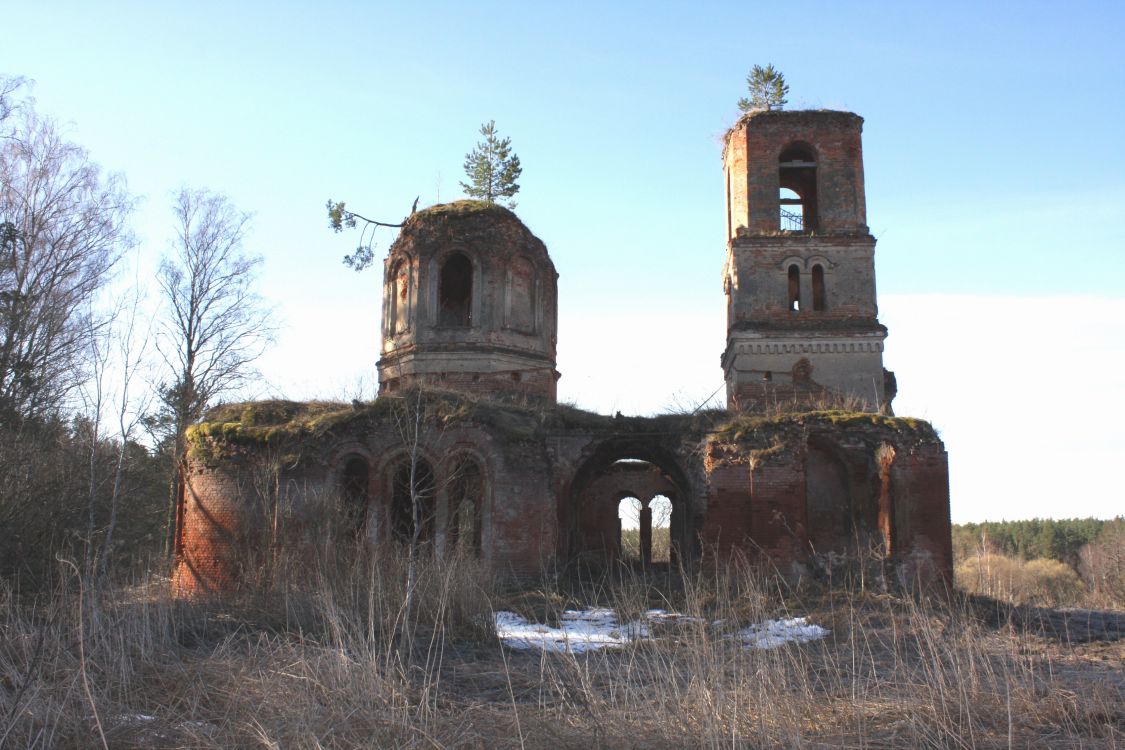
(311, 661)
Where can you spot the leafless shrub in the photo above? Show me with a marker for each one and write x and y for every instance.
(1040, 582)
(1102, 566)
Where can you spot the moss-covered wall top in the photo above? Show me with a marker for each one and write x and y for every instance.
(750, 437)
(304, 430)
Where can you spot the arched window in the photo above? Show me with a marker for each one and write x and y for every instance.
(819, 301)
(412, 503)
(353, 490)
(660, 543)
(466, 498)
(455, 292)
(794, 288)
(629, 520)
(797, 179)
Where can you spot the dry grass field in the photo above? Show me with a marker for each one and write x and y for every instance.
(322, 659)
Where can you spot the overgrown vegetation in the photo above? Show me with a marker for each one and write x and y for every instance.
(661, 544)
(753, 427)
(61, 494)
(74, 478)
(767, 89)
(1067, 562)
(492, 168)
(308, 660)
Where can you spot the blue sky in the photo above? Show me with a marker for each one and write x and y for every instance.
(993, 154)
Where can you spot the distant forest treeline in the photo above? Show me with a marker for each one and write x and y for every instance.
(1038, 538)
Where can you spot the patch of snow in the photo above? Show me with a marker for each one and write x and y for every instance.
(578, 631)
(582, 630)
(130, 718)
(773, 633)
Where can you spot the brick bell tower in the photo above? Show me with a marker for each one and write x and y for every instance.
(802, 320)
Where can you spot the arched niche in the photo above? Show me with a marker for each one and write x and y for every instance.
(354, 489)
(522, 295)
(827, 502)
(843, 499)
(464, 516)
(399, 293)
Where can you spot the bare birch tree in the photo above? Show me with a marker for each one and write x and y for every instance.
(214, 325)
(62, 230)
(409, 422)
(114, 408)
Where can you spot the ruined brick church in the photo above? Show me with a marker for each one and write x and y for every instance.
(806, 464)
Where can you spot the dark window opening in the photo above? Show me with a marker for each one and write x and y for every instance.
(797, 179)
(819, 303)
(354, 491)
(455, 293)
(517, 377)
(412, 503)
(794, 288)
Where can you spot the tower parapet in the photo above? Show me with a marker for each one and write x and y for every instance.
(800, 270)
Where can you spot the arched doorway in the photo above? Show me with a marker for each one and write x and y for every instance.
(630, 502)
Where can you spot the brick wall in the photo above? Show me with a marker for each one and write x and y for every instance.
(215, 531)
(920, 492)
(737, 500)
